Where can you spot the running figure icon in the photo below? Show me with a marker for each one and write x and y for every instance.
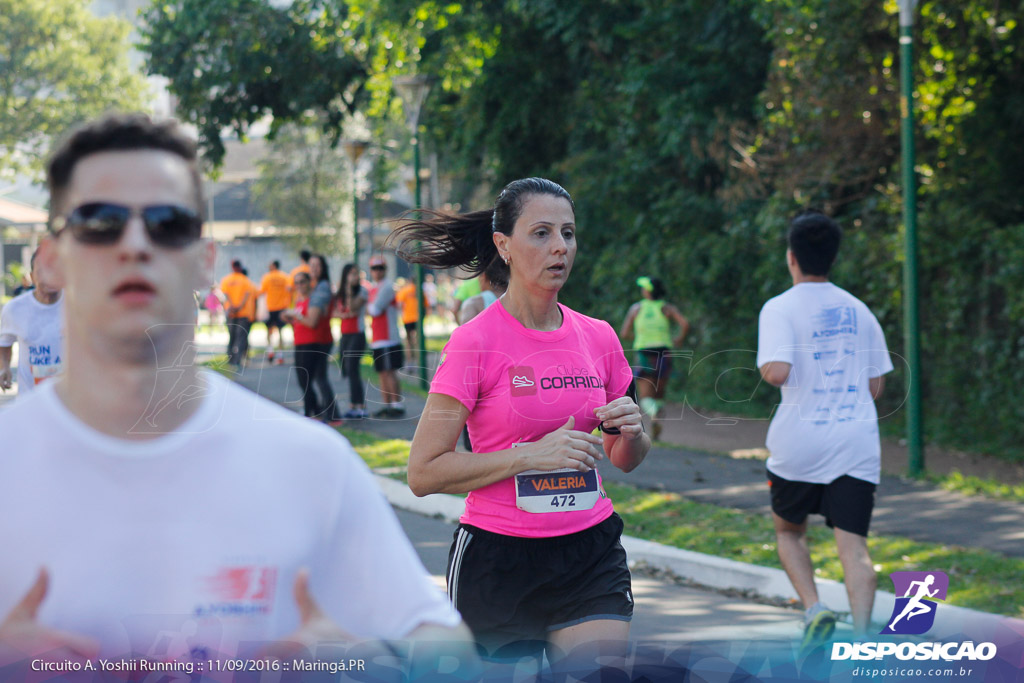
(914, 606)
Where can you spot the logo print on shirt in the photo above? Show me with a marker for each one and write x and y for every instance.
(240, 591)
(837, 320)
(522, 378)
(914, 613)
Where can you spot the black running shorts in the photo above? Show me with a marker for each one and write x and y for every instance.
(274, 319)
(846, 502)
(653, 363)
(513, 591)
(388, 358)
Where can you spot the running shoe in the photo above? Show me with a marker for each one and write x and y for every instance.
(279, 360)
(337, 422)
(386, 411)
(355, 414)
(818, 629)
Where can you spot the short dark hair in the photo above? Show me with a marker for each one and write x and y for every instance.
(276, 263)
(658, 291)
(119, 132)
(305, 254)
(814, 240)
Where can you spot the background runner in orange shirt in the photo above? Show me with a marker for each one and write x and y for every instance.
(406, 298)
(238, 290)
(276, 287)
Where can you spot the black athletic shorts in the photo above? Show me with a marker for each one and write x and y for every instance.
(388, 358)
(274, 319)
(846, 502)
(513, 591)
(653, 363)
(410, 328)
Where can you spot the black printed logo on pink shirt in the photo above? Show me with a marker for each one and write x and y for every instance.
(523, 381)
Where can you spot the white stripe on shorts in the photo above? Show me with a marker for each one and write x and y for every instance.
(461, 543)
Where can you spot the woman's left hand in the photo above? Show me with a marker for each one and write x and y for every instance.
(624, 415)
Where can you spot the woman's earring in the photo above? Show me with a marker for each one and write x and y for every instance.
(506, 260)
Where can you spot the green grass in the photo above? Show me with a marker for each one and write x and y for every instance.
(970, 485)
(219, 364)
(979, 579)
(376, 451)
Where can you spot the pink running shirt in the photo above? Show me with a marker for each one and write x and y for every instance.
(520, 384)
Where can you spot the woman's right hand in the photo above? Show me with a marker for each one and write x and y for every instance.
(565, 448)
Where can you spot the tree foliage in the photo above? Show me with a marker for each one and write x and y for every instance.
(59, 65)
(688, 133)
(303, 185)
(232, 63)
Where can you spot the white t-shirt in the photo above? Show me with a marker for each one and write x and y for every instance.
(189, 543)
(38, 329)
(826, 424)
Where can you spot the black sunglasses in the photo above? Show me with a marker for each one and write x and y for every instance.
(168, 225)
(378, 267)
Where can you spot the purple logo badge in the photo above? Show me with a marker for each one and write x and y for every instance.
(914, 612)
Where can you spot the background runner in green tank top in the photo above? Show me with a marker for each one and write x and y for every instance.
(649, 322)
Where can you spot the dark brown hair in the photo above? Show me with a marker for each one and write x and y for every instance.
(443, 240)
(118, 132)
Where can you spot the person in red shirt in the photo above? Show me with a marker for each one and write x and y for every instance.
(311, 325)
(386, 345)
(351, 298)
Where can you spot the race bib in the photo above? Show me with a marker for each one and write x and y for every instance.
(556, 491)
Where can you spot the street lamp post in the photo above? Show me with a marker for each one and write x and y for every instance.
(354, 149)
(413, 91)
(911, 333)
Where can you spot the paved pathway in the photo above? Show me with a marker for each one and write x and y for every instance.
(904, 508)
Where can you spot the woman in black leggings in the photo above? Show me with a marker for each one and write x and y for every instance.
(351, 299)
(311, 325)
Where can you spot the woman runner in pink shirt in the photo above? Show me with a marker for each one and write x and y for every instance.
(536, 562)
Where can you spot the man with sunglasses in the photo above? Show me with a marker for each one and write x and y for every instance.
(385, 343)
(196, 520)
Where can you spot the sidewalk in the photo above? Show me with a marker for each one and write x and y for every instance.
(906, 509)
(686, 426)
(719, 460)
(903, 507)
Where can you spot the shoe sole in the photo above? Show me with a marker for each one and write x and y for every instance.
(818, 630)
